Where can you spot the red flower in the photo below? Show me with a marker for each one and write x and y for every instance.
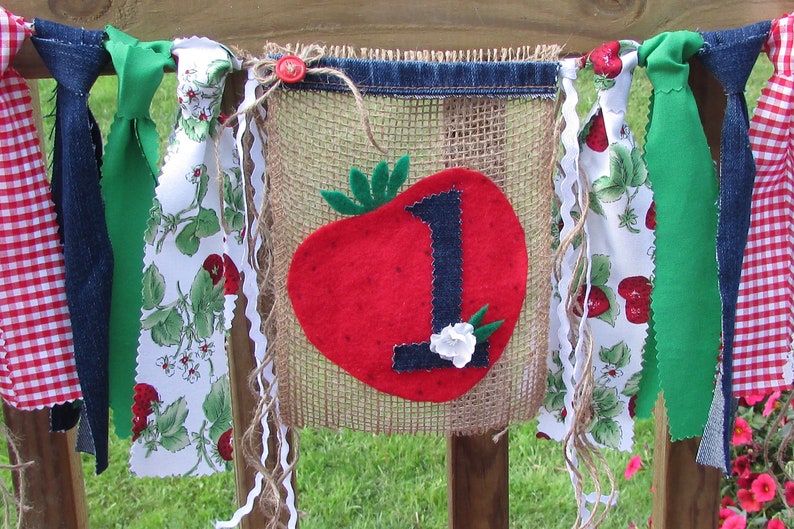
(737, 521)
(746, 481)
(635, 463)
(748, 501)
(771, 404)
(789, 493)
(727, 501)
(752, 400)
(775, 523)
(741, 466)
(764, 487)
(742, 433)
(724, 515)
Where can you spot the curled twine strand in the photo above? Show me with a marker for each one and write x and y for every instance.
(270, 501)
(264, 71)
(587, 453)
(13, 503)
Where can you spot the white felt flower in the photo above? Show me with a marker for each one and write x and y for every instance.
(455, 342)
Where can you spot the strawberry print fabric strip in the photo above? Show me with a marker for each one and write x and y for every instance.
(182, 402)
(765, 307)
(620, 224)
(685, 301)
(37, 365)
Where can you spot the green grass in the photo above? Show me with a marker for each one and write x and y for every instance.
(356, 480)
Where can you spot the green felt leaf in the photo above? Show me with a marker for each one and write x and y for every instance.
(153, 287)
(618, 355)
(380, 179)
(359, 186)
(342, 203)
(484, 332)
(398, 176)
(207, 223)
(607, 433)
(167, 331)
(186, 241)
(476, 320)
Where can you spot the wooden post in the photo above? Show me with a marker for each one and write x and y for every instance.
(477, 482)
(685, 495)
(54, 488)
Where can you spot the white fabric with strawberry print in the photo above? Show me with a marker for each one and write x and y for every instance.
(182, 411)
(620, 224)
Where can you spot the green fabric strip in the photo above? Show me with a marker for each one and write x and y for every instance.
(129, 176)
(686, 300)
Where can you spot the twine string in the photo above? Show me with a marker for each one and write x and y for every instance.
(264, 71)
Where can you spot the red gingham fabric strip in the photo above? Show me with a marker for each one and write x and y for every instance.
(37, 367)
(765, 307)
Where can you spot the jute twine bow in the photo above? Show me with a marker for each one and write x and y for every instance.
(264, 71)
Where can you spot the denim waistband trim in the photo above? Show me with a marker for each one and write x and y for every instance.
(436, 79)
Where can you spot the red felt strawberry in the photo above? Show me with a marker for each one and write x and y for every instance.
(366, 289)
(595, 133)
(597, 302)
(606, 60)
(637, 292)
(225, 445)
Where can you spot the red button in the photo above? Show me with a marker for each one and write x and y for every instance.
(290, 69)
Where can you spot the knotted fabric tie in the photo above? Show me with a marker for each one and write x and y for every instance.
(685, 301)
(765, 306)
(730, 56)
(129, 175)
(182, 411)
(75, 57)
(37, 366)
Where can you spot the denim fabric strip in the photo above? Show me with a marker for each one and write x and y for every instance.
(437, 80)
(730, 56)
(75, 57)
